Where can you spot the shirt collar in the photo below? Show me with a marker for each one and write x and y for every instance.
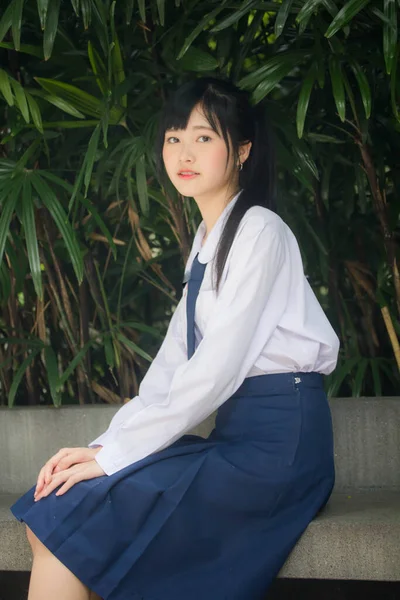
(207, 252)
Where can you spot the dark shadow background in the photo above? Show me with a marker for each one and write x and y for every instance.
(14, 586)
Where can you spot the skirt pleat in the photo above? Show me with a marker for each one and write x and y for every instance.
(205, 519)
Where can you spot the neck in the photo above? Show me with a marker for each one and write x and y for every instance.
(211, 209)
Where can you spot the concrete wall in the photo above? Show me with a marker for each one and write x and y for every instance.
(367, 440)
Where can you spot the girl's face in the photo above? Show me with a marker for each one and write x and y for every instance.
(195, 159)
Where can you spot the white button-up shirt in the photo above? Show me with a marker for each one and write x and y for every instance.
(265, 319)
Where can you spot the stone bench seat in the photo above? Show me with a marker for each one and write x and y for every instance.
(356, 536)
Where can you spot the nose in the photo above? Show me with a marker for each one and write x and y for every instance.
(186, 154)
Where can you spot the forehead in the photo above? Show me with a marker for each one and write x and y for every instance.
(197, 120)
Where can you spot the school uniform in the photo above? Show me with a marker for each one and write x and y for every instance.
(177, 516)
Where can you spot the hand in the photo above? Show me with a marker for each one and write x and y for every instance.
(65, 458)
(80, 472)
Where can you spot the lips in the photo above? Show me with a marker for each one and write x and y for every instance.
(187, 174)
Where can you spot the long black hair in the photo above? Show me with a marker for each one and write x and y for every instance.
(228, 110)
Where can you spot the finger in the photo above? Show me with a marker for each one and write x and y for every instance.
(71, 481)
(71, 459)
(40, 480)
(47, 489)
(54, 460)
(55, 482)
(90, 470)
(81, 473)
(45, 473)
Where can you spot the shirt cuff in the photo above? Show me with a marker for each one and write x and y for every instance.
(106, 456)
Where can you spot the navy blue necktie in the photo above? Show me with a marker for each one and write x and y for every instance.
(194, 283)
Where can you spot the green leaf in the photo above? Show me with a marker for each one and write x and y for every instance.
(42, 10)
(330, 7)
(199, 28)
(271, 66)
(389, 33)
(134, 347)
(344, 16)
(335, 70)
(142, 185)
(234, 17)
(304, 99)
(323, 139)
(28, 220)
(82, 101)
(128, 11)
(198, 60)
(5, 88)
(16, 22)
(90, 157)
(19, 375)
(142, 327)
(142, 10)
(27, 155)
(376, 377)
(118, 67)
(50, 29)
(282, 16)
(359, 378)
(363, 85)
(161, 11)
(35, 112)
(340, 375)
(6, 20)
(5, 288)
(20, 99)
(24, 49)
(306, 13)
(98, 68)
(109, 351)
(87, 204)
(7, 211)
(86, 8)
(52, 374)
(69, 124)
(73, 364)
(270, 82)
(59, 103)
(75, 6)
(50, 200)
(393, 84)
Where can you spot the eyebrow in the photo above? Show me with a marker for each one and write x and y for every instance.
(195, 127)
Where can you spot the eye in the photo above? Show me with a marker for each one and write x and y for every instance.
(205, 136)
(171, 138)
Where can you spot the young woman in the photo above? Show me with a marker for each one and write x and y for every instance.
(148, 511)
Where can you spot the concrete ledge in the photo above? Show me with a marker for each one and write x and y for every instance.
(367, 440)
(356, 536)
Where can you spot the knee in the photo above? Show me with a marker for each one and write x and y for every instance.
(33, 540)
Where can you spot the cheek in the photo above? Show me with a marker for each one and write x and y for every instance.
(216, 157)
(167, 157)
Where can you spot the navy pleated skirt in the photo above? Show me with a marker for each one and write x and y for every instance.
(204, 519)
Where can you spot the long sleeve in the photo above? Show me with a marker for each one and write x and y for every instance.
(157, 381)
(247, 310)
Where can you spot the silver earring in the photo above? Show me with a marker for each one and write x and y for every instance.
(240, 166)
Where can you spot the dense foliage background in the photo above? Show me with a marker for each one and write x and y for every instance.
(92, 247)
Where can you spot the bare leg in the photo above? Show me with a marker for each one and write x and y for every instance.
(51, 579)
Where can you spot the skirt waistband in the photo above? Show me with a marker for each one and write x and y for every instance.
(278, 383)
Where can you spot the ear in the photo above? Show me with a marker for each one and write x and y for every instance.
(244, 151)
